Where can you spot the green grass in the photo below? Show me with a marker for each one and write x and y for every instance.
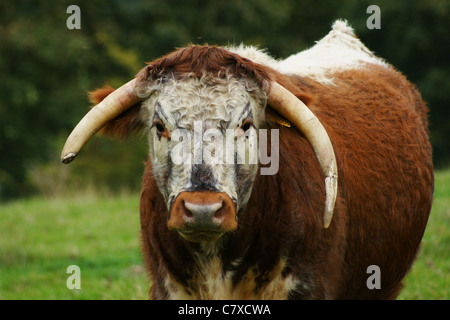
(40, 238)
(429, 277)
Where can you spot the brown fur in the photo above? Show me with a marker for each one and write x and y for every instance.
(377, 123)
(125, 124)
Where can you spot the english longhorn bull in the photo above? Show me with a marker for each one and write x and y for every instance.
(353, 186)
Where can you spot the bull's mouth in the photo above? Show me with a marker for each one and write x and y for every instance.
(201, 235)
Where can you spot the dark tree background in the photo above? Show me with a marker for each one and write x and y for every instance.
(46, 69)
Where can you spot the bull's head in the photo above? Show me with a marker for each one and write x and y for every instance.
(191, 102)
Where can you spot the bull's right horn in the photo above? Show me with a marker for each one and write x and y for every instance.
(294, 110)
(114, 104)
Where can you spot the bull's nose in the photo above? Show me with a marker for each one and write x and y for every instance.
(203, 215)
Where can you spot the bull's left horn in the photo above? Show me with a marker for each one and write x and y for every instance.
(114, 104)
(294, 110)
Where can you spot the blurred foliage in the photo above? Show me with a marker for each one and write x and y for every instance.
(47, 69)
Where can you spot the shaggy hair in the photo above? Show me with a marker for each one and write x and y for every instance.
(377, 123)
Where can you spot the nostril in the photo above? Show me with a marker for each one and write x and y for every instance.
(186, 212)
(203, 210)
(220, 212)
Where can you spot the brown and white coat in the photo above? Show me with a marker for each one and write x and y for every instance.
(277, 247)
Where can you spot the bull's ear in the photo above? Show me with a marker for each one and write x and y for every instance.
(126, 123)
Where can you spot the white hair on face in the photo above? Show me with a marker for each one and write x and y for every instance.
(208, 100)
(217, 102)
(338, 51)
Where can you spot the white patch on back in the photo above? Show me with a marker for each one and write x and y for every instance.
(338, 51)
(254, 54)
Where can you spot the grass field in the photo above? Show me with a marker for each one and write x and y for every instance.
(40, 238)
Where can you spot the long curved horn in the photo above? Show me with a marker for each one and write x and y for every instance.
(114, 104)
(294, 110)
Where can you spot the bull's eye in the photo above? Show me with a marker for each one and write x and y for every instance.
(246, 125)
(160, 128)
(244, 128)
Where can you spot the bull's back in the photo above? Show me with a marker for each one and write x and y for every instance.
(378, 124)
